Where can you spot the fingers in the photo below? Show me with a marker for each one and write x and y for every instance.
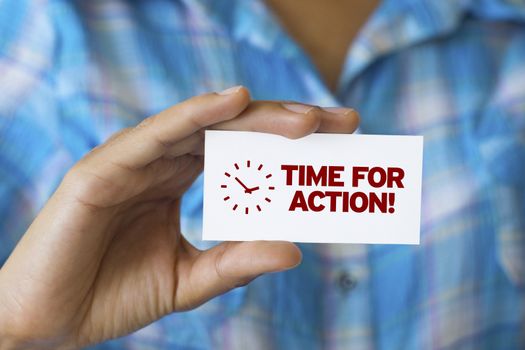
(117, 170)
(193, 144)
(155, 135)
(339, 120)
(178, 131)
(230, 265)
(289, 120)
(292, 120)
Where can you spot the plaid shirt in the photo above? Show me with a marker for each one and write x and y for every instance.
(74, 72)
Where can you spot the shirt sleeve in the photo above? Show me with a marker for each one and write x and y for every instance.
(29, 144)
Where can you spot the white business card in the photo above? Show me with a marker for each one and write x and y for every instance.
(326, 188)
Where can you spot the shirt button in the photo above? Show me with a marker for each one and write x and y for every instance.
(346, 281)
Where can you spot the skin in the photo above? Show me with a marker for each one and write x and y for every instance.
(105, 256)
(339, 20)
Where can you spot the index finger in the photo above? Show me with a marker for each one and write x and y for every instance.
(154, 136)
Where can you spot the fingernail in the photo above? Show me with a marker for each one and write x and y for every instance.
(298, 107)
(231, 90)
(339, 110)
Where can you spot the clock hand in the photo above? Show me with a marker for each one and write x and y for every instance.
(246, 189)
(254, 189)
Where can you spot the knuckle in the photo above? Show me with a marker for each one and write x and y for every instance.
(117, 135)
(229, 281)
(243, 282)
(73, 173)
(146, 122)
(88, 188)
(218, 262)
(198, 99)
(78, 183)
(153, 128)
(305, 124)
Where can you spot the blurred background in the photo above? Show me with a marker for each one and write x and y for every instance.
(72, 73)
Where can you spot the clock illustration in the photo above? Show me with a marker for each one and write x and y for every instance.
(247, 188)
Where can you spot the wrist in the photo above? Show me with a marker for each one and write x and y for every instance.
(7, 344)
(12, 340)
(11, 343)
(16, 333)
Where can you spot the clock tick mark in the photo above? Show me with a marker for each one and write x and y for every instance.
(258, 207)
(226, 198)
(260, 167)
(224, 186)
(271, 188)
(236, 166)
(268, 176)
(246, 210)
(227, 174)
(267, 199)
(247, 163)
(235, 207)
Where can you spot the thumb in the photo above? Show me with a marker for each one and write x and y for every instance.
(229, 265)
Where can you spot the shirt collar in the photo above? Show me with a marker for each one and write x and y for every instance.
(394, 25)
(249, 21)
(397, 24)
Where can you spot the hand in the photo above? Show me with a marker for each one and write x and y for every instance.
(105, 256)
